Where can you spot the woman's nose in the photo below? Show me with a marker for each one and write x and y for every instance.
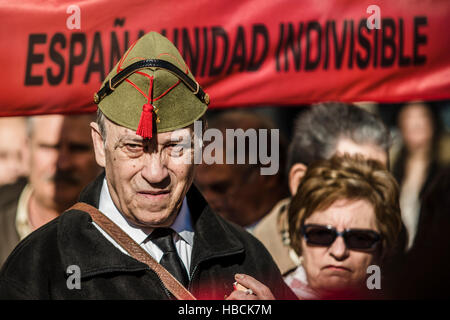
(338, 249)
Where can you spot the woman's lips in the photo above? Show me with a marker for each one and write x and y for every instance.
(336, 268)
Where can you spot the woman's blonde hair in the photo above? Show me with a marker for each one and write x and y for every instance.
(352, 178)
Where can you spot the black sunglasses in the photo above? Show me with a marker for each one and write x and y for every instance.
(355, 239)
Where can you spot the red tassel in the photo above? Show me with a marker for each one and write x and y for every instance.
(145, 128)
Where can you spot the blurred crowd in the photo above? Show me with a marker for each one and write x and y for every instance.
(357, 186)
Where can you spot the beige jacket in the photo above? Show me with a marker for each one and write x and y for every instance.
(273, 232)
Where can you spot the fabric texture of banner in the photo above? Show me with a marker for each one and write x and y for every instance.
(55, 54)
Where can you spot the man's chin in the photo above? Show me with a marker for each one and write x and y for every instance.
(67, 187)
(154, 219)
(339, 286)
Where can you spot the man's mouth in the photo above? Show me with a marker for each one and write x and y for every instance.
(154, 194)
(64, 178)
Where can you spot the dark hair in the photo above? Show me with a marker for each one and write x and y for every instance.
(398, 168)
(432, 109)
(317, 131)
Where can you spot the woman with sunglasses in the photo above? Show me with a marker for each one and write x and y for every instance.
(344, 218)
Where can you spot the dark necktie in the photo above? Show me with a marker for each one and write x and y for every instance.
(170, 260)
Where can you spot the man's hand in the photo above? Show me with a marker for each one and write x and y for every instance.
(255, 289)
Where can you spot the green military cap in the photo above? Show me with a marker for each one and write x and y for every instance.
(151, 86)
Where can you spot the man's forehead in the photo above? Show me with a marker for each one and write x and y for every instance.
(69, 122)
(126, 133)
(45, 120)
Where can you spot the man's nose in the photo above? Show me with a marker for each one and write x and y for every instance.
(154, 169)
(338, 249)
(64, 158)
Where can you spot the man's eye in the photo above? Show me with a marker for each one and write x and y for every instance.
(220, 187)
(133, 147)
(48, 146)
(175, 149)
(75, 147)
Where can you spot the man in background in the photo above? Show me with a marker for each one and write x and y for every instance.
(239, 192)
(62, 162)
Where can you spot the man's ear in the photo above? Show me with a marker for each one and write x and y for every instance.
(99, 147)
(296, 174)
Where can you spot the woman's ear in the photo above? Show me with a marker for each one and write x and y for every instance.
(99, 146)
(296, 174)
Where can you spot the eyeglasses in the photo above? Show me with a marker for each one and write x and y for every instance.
(355, 239)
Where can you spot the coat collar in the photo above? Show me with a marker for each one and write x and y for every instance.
(213, 236)
(80, 243)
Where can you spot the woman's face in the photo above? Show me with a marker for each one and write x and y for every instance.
(336, 267)
(416, 126)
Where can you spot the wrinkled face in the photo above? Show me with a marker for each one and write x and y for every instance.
(230, 191)
(62, 159)
(416, 126)
(336, 267)
(147, 179)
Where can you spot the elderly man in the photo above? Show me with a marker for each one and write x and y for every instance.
(62, 163)
(320, 132)
(154, 236)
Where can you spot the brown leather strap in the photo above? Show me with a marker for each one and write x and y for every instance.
(135, 250)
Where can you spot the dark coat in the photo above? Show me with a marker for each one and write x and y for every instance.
(37, 267)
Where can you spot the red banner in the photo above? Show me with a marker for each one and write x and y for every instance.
(243, 52)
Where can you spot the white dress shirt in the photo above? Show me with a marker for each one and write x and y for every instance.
(183, 236)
